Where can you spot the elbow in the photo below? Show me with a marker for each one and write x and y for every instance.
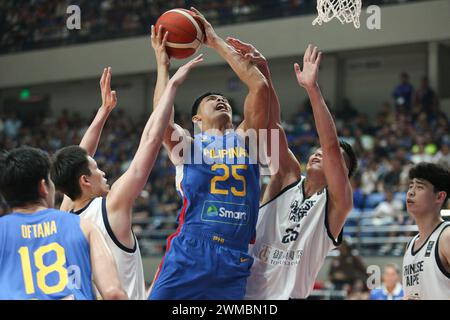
(115, 293)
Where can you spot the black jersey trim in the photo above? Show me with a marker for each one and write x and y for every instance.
(111, 233)
(425, 242)
(327, 226)
(436, 254)
(293, 184)
(78, 212)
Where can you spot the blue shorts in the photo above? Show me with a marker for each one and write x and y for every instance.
(198, 268)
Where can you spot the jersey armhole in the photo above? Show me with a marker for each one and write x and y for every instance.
(290, 186)
(338, 241)
(111, 233)
(438, 258)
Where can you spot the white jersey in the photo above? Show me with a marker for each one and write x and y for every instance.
(423, 273)
(292, 242)
(128, 261)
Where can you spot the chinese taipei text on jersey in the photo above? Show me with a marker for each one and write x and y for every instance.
(292, 241)
(424, 276)
(207, 257)
(44, 255)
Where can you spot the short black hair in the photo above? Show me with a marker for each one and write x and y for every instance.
(197, 101)
(3, 206)
(436, 174)
(68, 165)
(21, 171)
(351, 155)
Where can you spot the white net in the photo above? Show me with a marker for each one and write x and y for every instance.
(346, 11)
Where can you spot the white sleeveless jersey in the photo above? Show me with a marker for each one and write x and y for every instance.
(128, 261)
(292, 242)
(423, 273)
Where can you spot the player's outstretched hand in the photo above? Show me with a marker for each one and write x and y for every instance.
(210, 35)
(248, 51)
(109, 98)
(180, 76)
(309, 76)
(159, 40)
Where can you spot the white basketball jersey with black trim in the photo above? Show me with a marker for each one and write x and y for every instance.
(128, 261)
(424, 276)
(292, 242)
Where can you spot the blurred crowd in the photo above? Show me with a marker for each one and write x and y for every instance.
(34, 24)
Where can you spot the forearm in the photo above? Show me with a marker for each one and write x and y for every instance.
(323, 119)
(91, 138)
(162, 113)
(245, 70)
(162, 79)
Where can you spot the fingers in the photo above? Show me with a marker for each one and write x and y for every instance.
(199, 15)
(319, 58)
(159, 34)
(197, 59)
(114, 96)
(108, 79)
(240, 45)
(152, 32)
(297, 69)
(313, 57)
(196, 12)
(103, 77)
(307, 55)
(164, 40)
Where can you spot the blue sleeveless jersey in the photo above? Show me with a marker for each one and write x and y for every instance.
(220, 188)
(44, 255)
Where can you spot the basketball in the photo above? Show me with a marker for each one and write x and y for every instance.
(186, 34)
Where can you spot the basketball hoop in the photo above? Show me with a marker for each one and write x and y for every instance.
(346, 11)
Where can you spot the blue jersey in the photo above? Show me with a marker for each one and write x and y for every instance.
(44, 255)
(220, 189)
(207, 257)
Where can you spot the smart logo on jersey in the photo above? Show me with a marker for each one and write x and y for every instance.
(225, 212)
(212, 211)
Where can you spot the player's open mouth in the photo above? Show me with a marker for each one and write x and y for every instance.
(221, 107)
(409, 201)
(315, 161)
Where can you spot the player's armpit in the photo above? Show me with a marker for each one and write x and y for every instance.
(444, 248)
(104, 269)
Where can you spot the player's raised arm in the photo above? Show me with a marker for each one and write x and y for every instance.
(158, 40)
(288, 169)
(91, 138)
(335, 169)
(104, 269)
(126, 189)
(256, 107)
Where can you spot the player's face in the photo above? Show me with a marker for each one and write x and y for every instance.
(215, 107)
(97, 179)
(420, 197)
(315, 160)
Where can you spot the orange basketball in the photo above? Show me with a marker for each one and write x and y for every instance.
(186, 33)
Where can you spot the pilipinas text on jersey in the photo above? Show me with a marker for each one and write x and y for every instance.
(219, 182)
(44, 255)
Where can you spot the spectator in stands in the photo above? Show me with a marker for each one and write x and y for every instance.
(403, 93)
(346, 268)
(12, 125)
(425, 96)
(443, 155)
(391, 288)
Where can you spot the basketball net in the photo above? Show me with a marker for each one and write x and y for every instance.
(346, 11)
